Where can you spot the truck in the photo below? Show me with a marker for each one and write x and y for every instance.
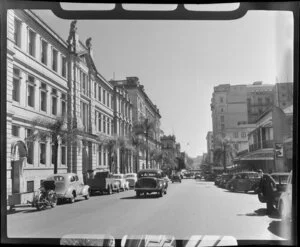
(101, 180)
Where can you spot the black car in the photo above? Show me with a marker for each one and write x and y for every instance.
(151, 180)
(176, 178)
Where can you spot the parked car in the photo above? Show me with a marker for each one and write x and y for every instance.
(280, 179)
(68, 187)
(176, 178)
(245, 181)
(224, 179)
(151, 180)
(100, 180)
(198, 176)
(131, 178)
(285, 200)
(210, 177)
(121, 181)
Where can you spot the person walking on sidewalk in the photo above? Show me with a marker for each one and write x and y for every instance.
(268, 189)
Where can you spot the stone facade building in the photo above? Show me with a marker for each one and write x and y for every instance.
(49, 78)
(143, 109)
(210, 147)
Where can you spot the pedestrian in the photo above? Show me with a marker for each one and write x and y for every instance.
(260, 173)
(268, 189)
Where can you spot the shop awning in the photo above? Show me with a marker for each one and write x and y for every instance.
(264, 154)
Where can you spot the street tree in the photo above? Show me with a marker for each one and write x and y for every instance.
(146, 128)
(137, 144)
(225, 151)
(56, 130)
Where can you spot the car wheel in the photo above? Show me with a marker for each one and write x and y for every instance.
(87, 196)
(72, 199)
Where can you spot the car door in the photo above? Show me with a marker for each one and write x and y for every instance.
(77, 185)
(241, 182)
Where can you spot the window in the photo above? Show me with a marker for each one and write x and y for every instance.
(236, 134)
(108, 97)
(244, 134)
(63, 153)
(15, 130)
(99, 155)
(30, 91)
(99, 121)
(95, 90)
(104, 124)
(54, 102)
(221, 99)
(63, 105)
(108, 126)
(31, 43)
(222, 110)
(43, 97)
(104, 157)
(222, 118)
(54, 59)
(259, 101)
(42, 153)
(104, 92)
(222, 126)
(30, 186)
(17, 34)
(249, 101)
(30, 146)
(44, 52)
(99, 93)
(16, 85)
(84, 109)
(63, 66)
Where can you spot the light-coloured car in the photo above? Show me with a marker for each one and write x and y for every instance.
(121, 181)
(285, 200)
(131, 178)
(69, 187)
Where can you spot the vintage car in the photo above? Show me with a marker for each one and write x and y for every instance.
(198, 176)
(218, 179)
(131, 178)
(285, 200)
(69, 187)
(176, 178)
(151, 180)
(120, 181)
(244, 181)
(280, 179)
(224, 179)
(100, 180)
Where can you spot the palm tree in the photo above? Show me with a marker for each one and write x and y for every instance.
(137, 144)
(123, 144)
(145, 127)
(56, 130)
(225, 151)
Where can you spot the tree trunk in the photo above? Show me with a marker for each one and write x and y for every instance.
(55, 156)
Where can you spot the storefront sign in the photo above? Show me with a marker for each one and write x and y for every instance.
(279, 150)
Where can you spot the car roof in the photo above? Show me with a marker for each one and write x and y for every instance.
(150, 170)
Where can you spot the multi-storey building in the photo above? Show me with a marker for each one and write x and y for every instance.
(143, 109)
(259, 99)
(210, 147)
(48, 78)
(283, 94)
(123, 124)
(268, 142)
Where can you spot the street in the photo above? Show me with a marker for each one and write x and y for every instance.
(189, 208)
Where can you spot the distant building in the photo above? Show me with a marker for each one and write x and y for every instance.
(283, 94)
(210, 147)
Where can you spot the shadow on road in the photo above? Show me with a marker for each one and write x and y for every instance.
(141, 197)
(281, 229)
(261, 212)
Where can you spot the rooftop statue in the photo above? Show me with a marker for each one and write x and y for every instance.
(72, 36)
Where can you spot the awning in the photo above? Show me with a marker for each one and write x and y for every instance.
(264, 154)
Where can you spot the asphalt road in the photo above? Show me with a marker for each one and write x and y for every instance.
(190, 208)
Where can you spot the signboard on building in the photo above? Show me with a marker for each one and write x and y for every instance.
(279, 150)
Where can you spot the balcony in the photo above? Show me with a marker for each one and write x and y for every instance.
(261, 145)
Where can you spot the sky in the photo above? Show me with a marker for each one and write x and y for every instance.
(179, 62)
